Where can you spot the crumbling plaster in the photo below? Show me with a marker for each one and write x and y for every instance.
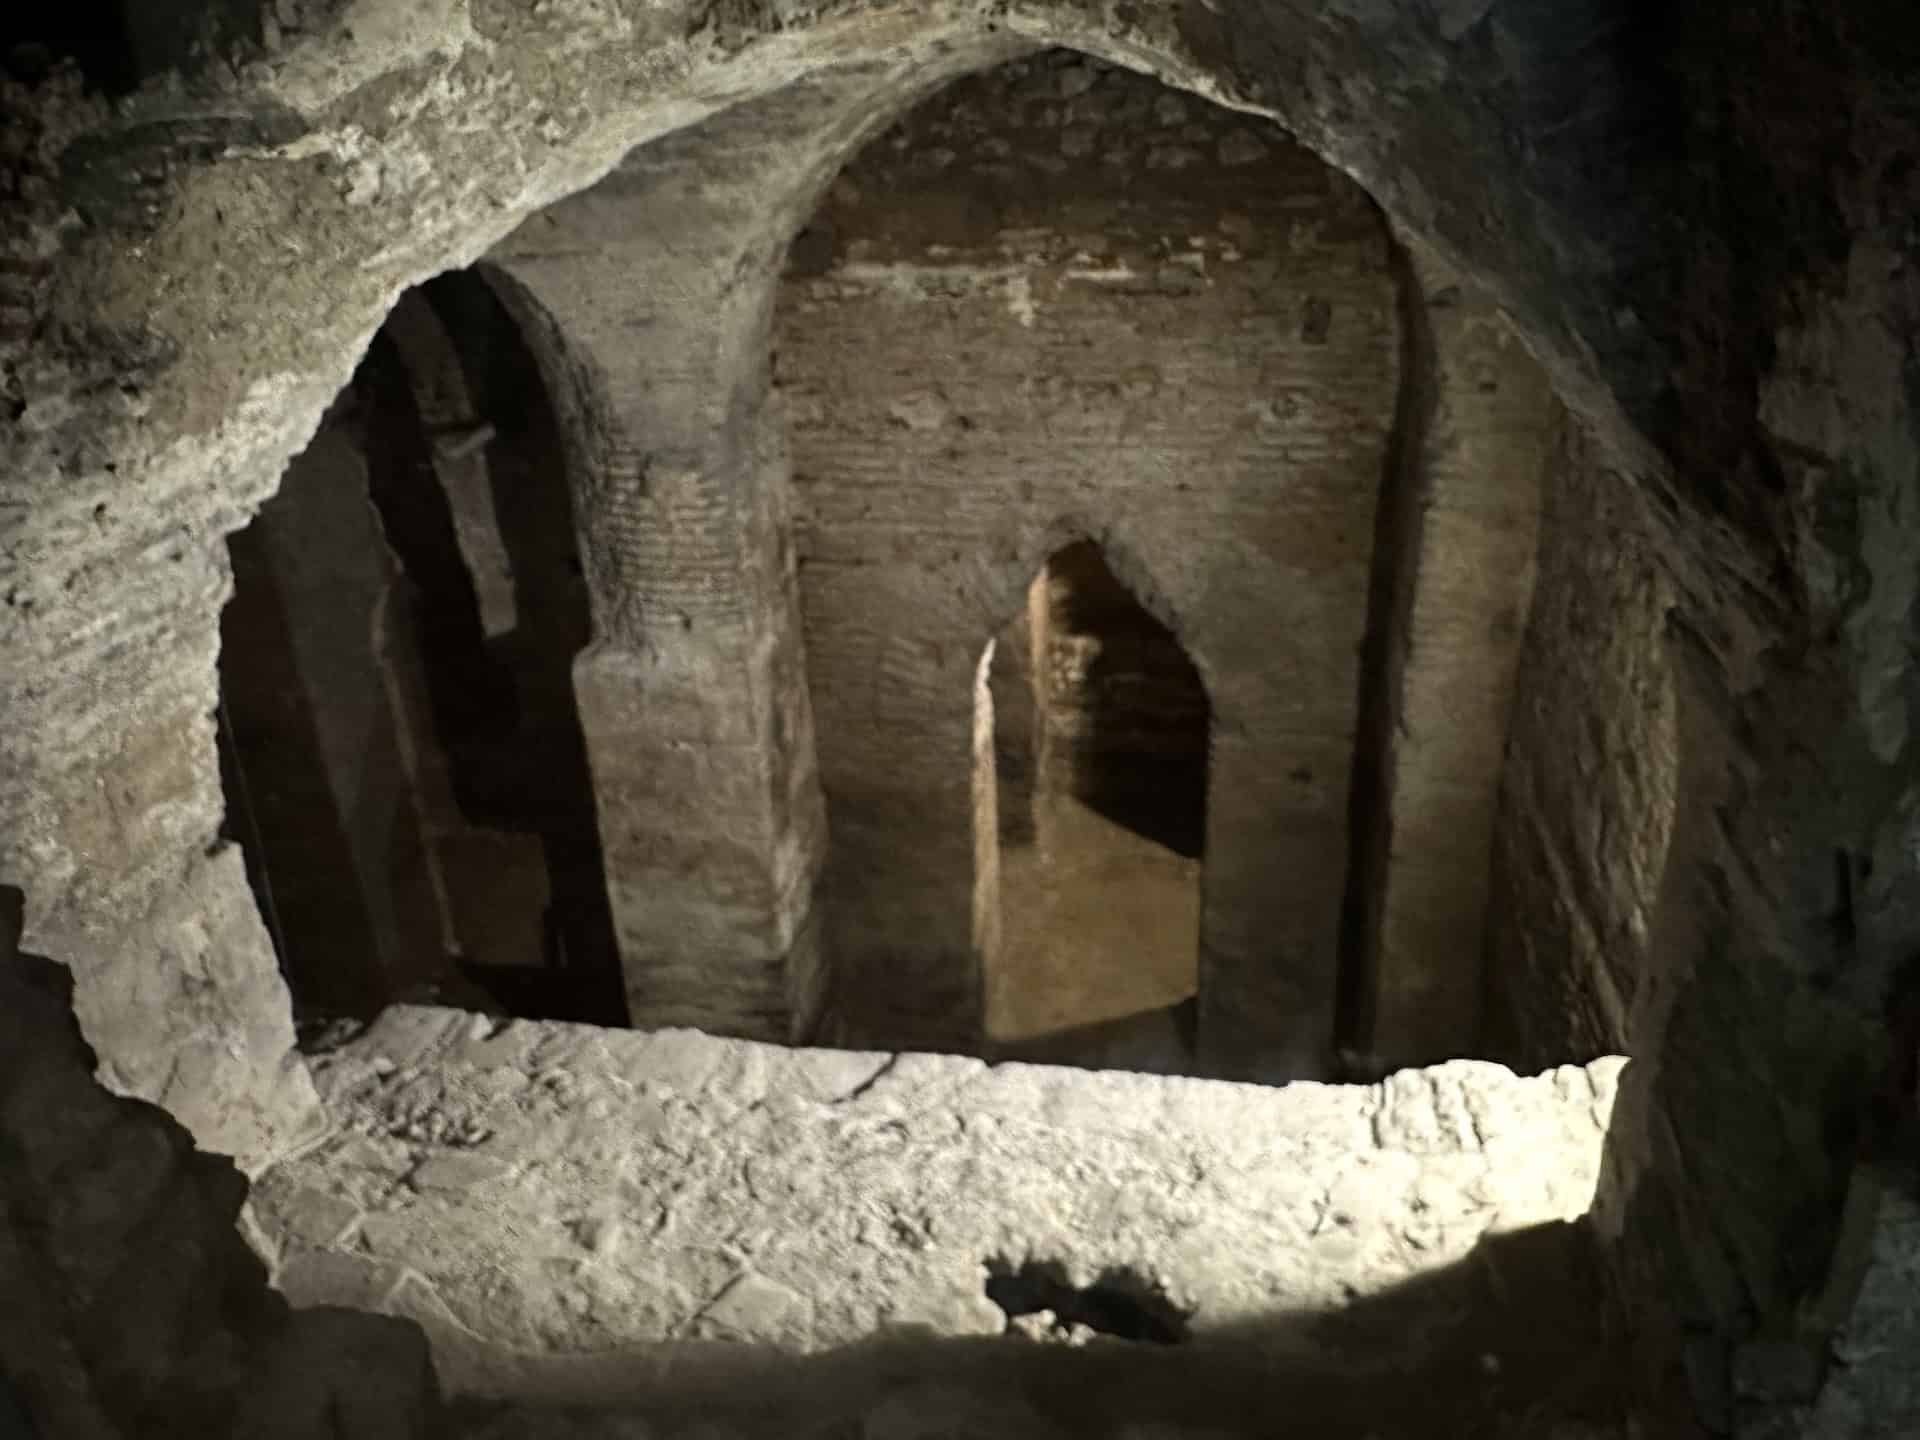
(1658, 201)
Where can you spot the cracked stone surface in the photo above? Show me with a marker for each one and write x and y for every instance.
(539, 1193)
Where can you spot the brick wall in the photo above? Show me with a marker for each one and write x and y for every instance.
(1587, 796)
(1063, 301)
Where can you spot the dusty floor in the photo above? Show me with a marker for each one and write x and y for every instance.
(1503, 1347)
(719, 1238)
(1100, 941)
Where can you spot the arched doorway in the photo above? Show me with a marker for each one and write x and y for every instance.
(399, 745)
(1059, 299)
(1100, 731)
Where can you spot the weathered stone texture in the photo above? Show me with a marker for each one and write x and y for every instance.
(1693, 213)
(1872, 1386)
(693, 696)
(227, 267)
(552, 1193)
(1100, 308)
(1588, 789)
(401, 751)
(1477, 421)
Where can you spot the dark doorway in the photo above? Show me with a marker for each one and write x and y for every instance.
(403, 761)
(1099, 728)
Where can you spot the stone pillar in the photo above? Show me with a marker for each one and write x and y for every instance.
(1488, 428)
(899, 896)
(1270, 905)
(646, 300)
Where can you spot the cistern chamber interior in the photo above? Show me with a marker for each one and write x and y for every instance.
(756, 723)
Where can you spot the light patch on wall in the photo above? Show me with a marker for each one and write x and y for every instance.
(1020, 301)
(1104, 274)
(917, 282)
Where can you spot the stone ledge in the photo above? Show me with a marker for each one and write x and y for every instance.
(557, 1190)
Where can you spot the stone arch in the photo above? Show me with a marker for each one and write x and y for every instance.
(475, 875)
(412, 144)
(501, 442)
(868, 77)
(1292, 529)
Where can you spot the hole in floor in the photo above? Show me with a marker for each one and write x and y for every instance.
(1118, 1302)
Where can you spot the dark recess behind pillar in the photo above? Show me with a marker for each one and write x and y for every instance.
(282, 806)
(1139, 754)
(1383, 657)
(532, 496)
(118, 44)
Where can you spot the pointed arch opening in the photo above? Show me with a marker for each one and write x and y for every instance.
(1092, 737)
(398, 738)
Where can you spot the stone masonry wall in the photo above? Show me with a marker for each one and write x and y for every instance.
(1477, 428)
(1587, 797)
(646, 299)
(316, 763)
(1058, 301)
(1699, 217)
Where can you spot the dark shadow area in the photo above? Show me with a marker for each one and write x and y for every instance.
(133, 1305)
(1149, 1042)
(407, 775)
(278, 725)
(308, 748)
(92, 34)
(1383, 659)
(120, 44)
(1138, 752)
(545, 781)
(475, 711)
(1118, 1302)
(1511, 1343)
(1010, 685)
(14, 1424)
